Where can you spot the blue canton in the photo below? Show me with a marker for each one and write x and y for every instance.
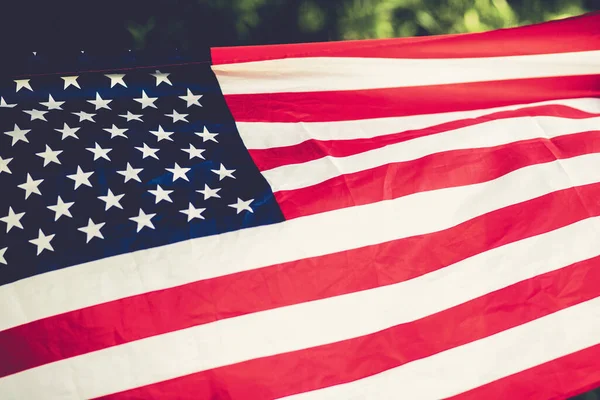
(103, 163)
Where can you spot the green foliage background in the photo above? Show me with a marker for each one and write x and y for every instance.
(242, 22)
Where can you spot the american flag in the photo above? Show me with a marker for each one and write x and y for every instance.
(389, 219)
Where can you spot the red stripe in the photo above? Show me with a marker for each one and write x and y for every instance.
(313, 149)
(435, 171)
(558, 379)
(569, 35)
(346, 105)
(134, 318)
(349, 360)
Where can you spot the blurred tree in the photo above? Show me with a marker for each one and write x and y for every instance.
(284, 21)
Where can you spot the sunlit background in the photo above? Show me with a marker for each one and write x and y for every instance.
(238, 22)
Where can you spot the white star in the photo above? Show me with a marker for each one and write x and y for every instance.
(177, 117)
(83, 116)
(193, 212)
(148, 151)
(36, 114)
(49, 155)
(208, 192)
(131, 173)
(92, 230)
(161, 194)
(130, 116)
(143, 220)
(12, 220)
(71, 80)
(4, 165)
(162, 77)
(81, 178)
(52, 104)
(23, 83)
(161, 134)
(99, 152)
(146, 101)
(42, 242)
(178, 172)
(61, 208)
(242, 205)
(116, 79)
(2, 259)
(111, 200)
(31, 186)
(206, 135)
(67, 131)
(4, 104)
(114, 131)
(191, 99)
(100, 102)
(18, 134)
(194, 152)
(224, 172)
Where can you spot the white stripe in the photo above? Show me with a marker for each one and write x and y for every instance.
(478, 363)
(203, 258)
(489, 134)
(353, 73)
(309, 324)
(264, 135)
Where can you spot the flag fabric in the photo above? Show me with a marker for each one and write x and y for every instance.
(384, 219)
